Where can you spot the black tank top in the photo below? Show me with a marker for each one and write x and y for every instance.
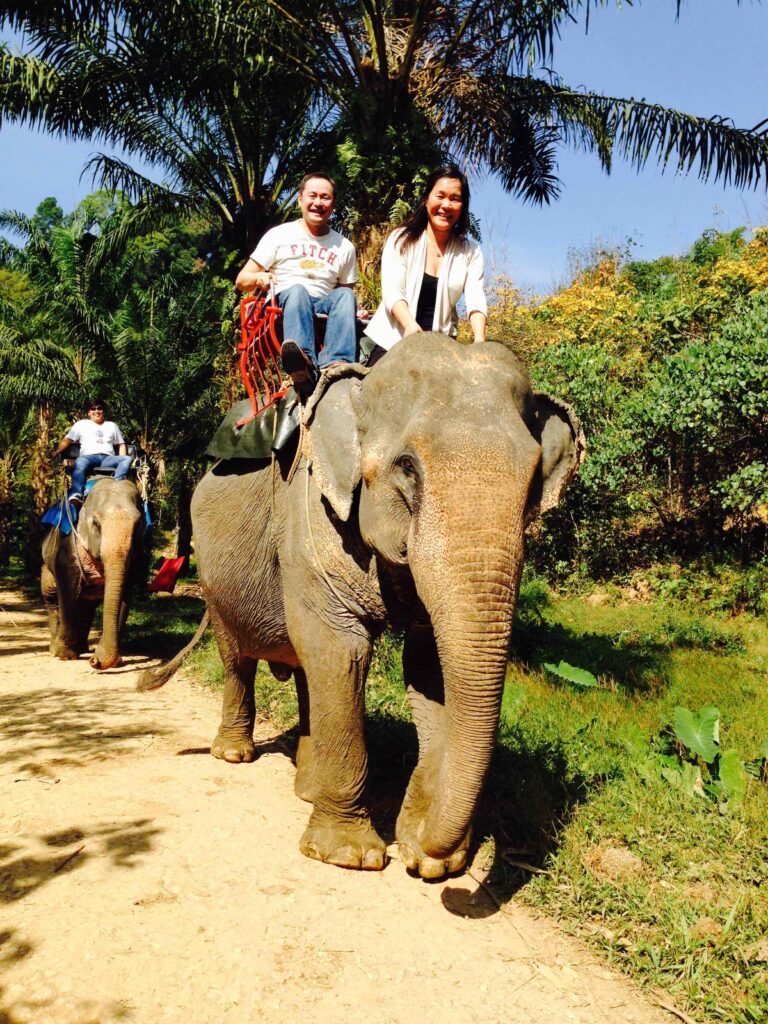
(425, 310)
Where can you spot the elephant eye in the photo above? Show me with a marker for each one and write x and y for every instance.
(96, 522)
(407, 465)
(406, 480)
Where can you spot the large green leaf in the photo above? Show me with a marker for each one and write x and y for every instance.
(732, 776)
(571, 674)
(698, 731)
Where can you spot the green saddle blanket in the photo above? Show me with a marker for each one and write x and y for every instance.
(266, 433)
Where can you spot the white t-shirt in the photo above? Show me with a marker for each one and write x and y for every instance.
(295, 256)
(96, 438)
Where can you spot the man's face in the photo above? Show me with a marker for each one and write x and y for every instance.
(96, 414)
(316, 204)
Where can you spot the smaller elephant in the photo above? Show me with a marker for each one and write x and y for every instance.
(96, 561)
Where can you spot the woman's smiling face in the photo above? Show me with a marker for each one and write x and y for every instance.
(444, 204)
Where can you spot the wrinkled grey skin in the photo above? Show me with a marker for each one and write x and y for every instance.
(409, 510)
(111, 527)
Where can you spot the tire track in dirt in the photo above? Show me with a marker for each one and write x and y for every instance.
(142, 881)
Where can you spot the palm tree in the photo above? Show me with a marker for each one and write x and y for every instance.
(13, 452)
(63, 320)
(47, 338)
(166, 338)
(398, 81)
(178, 88)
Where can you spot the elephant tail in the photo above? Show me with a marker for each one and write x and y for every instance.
(154, 678)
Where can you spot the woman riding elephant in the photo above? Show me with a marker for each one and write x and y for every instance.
(408, 509)
(427, 264)
(96, 561)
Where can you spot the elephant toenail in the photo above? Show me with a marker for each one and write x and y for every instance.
(345, 857)
(408, 857)
(374, 860)
(431, 868)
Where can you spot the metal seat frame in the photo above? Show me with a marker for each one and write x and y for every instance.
(259, 349)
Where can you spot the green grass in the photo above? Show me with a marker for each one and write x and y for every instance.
(575, 774)
(160, 625)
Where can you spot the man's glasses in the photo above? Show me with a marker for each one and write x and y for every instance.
(96, 408)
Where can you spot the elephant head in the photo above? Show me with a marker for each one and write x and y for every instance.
(110, 527)
(444, 452)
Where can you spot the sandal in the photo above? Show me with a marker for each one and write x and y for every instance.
(299, 367)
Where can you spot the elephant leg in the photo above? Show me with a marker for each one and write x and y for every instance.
(68, 588)
(339, 830)
(51, 599)
(234, 740)
(84, 618)
(304, 768)
(424, 683)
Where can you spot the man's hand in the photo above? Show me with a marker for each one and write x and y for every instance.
(262, 280)
(253, 277)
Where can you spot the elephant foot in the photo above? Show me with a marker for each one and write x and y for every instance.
(64, 653)
(347, 844)
(235, 748)
(414, 857)
(104, 663)
(302, 784)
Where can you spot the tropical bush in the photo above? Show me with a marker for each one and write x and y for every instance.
(666, 363)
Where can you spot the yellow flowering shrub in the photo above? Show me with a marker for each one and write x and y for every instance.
(745, 274)
(599, 307)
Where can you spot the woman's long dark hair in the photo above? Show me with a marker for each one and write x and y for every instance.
(416, 223)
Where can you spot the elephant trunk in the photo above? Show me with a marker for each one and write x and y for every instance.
(468, 579)
(116, 541)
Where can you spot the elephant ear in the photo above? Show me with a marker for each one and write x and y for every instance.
(331, 439)
(556, 428)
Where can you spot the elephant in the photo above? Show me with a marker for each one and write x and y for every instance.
(97, 560)
(406, 509)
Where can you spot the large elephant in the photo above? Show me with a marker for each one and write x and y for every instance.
(407, 509)
(96, 561)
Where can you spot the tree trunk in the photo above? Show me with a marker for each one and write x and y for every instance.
(6, 507)
(41, 485)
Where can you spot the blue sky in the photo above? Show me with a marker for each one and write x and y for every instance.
(711, 61)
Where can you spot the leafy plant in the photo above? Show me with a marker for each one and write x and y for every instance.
(692, 761)
(571, 674)
(758, 768)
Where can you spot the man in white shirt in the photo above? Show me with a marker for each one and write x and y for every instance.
(97, 437)
(313, 269)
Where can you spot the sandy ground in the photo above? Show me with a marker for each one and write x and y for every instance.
(142, 881)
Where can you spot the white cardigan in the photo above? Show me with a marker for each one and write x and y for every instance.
(461, 272)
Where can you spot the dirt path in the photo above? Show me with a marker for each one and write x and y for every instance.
(142, 881)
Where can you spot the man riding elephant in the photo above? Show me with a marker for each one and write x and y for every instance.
(313, 270)
(98, 437)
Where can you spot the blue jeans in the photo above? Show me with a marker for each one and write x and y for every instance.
(83, 463)
(299, 306)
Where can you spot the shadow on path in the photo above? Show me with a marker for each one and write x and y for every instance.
(67, 727)
(67, 851)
